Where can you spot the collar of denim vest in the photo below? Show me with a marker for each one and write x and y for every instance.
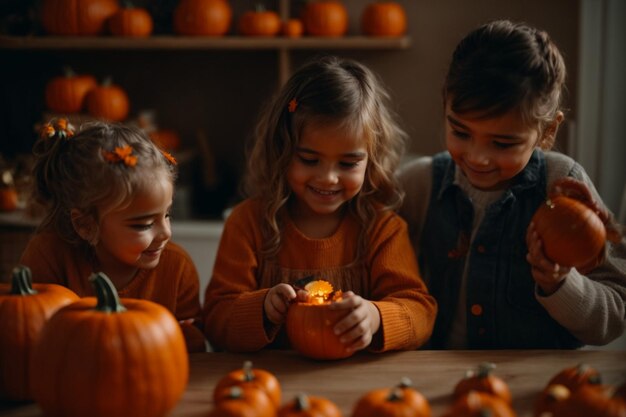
(529, 177)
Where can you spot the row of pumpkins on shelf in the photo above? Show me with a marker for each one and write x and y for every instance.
(214, 18)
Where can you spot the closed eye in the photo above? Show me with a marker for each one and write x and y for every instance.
(349, 165)
(142, 227)
(460, 134)
(308, 161)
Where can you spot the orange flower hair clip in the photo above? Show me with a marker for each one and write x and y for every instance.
(59, 128)
(293, 105)
(123, 154)
(169, 157)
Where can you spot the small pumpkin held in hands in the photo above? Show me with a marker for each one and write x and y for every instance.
(401, 400)
(24, 309)
(248, 376)
(119, 357)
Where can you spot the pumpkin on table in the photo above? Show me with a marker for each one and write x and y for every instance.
(384, 18)
(131, 21)
(248, 376)
(401, 401)
(106, 356)
(66, 93)
(202, 17)
(483, 380)
(242, 401)
(259, 22)
(589, 400)
(479, 404)
(108, 101)
(576, 376)
(76, 18)
(328, 18)
(24, 309)
(309, 406)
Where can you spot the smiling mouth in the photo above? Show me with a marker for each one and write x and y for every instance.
(324, 192)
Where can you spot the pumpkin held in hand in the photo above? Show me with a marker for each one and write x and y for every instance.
(401, 400)
(259, 379)
(571, 233)
(310, 324)
(24, 309)
(103, 357)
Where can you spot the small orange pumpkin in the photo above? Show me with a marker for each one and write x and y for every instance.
(242, 401)
(328, 18)
(119, 357)
(571, 233)
(166, 139)
(24, 310)
(483, 380)
(8, 198)
(292, 28)
(259, 22)
(66, 93)
(309, 406)
(576, 376)
(401, 400)
(259, 379)
(76, 18)
(479, 404)
(132, 22)
(550, 399)
(108, 101)
(384, 18)
(202, 17)
(592, 400)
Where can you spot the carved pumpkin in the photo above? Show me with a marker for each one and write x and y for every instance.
(571, 233)
(401, 400)
(479, 404)
(24, 308)
(242, 401)
(325, 18)
(310, 324)
(576, 376)
(202, 17)
(66, 93)
(259, 22)
(259, 379)
(592, 400)
(383, 18)
(292, 28)
(103, 357)
(75, 18)
(309, 406)
(108, 101)
(483, 380)
(132, 22)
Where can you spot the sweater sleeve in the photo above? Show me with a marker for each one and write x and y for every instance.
(407, 311)
(233, 307)
(591, 307)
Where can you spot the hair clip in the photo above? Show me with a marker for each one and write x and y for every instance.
(59, 128)
(121, 155)
(293, 104)
(169, 157)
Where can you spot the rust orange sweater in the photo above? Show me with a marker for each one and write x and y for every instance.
(173, 283)
(388, 277)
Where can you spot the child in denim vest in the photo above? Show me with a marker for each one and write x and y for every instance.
(469, 209)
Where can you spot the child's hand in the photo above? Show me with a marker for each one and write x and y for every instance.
(278, 299)
(358, 327)
(548, 275)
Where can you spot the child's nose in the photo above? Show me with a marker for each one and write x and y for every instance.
(478, 156)
(165, 230)
(329, 175)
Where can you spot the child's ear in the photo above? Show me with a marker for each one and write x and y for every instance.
(85, 225)
(549, 133)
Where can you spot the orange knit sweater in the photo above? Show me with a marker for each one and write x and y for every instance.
(389, 277)
(173, 283)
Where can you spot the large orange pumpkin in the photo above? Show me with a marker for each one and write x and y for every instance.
(259, 22)
(24, 308)
(248, 377)
(202, 17)
(106, 356)
(132, 22)
(309, 406)
(483, 380)
(401, 400)
(383, 18)
(571, 233)
(74, 17)
(325, 18)
(309, 325)
(66, 93)
(108, 101)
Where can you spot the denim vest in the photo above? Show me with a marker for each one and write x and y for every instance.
(502, 312)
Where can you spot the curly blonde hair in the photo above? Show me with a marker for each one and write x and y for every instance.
(331, 90)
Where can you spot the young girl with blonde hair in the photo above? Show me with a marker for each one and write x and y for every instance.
(107, 192)
(321, 195)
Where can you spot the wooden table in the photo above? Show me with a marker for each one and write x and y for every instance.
(434, 374)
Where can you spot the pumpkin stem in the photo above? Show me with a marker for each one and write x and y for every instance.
(405, 382)
(395, 394)
(107, 82)
(549, 203)
(485, 369)
(108, 299)
(302, 402)
(248, 375)
(485, 412)
(68, 72)
(22, 283)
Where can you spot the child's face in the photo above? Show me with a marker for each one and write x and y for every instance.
(490, 152)
(327, 169)
(135, 236)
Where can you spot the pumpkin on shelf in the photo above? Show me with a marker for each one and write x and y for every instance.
(66, 93)
(77, 18)
(327, 18)
(242, 401)
(9, 198)
(202, 17)
(166, 139)
(483, 380)
(309, 324)
(24, 308)
(292, 28)
(401, 400)
(309, 406)
(384, 18)
(119, 357)
(108, 101)
(248, 376)
(259, 22)
(131, 21)
(479, 404)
